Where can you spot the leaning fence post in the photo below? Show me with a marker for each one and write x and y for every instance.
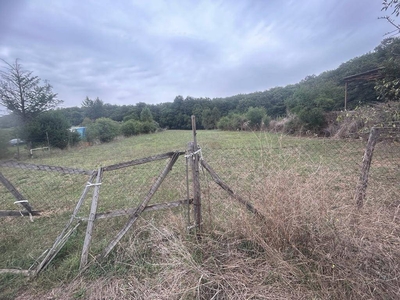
(92, 217)
(194, 162)
(363, 182)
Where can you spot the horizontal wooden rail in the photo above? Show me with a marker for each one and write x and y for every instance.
(140, 161)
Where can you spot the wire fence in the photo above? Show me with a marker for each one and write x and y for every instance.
(55, 191)
(310, 166)
(275, 167)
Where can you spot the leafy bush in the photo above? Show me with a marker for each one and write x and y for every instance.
(134, 127)
(103, 129)
(266, 120)
(223, 123)
(51, 126)
(231, 122)
(129, 128)
(255, 116)
(148, 127)
(74, 138)
(312, 119)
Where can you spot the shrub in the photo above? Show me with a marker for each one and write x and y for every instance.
(292, 125)
(231, 122)
(74, 138)
(51, 126)
(312, 119)
(223, 123)
(255, 116)
(103, 129)
(148, 127)
(129, 128)
(133, 127)
(266, 120)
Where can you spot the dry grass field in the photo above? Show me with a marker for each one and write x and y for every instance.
(311, 244)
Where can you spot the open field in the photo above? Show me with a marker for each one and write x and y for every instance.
(312, 244)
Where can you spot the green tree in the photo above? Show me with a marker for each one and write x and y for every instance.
(50, 126)
(145, 115)
(93, 109)
(210, 118)
(23, 94)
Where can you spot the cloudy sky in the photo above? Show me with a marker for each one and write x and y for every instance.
(132, 51)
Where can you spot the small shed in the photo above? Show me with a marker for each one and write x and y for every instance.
(80, 130)
(370, 75)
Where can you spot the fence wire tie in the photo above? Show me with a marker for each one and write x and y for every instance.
(89, 184)
(24, 201)
(194, 153)
(21, 201)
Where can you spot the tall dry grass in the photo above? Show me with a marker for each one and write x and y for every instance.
(312, 244)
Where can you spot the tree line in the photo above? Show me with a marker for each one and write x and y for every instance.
(308, 100)
(35, 108)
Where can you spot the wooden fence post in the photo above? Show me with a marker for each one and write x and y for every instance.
(20, 198)
(367, 159)
(194, 162)
(92, 217)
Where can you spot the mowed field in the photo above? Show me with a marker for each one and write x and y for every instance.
(312, 244)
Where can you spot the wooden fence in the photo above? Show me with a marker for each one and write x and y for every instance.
(194, 161)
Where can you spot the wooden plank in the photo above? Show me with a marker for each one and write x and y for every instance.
(154, 207)
(140, 161)
(135, 214)
(16, 213)
(56, 245)
(47, 168)
(9, 186)
(367, 159)
(224, 186)
(92, 217)
(57, 248)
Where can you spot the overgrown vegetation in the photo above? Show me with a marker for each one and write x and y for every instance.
(312, 243)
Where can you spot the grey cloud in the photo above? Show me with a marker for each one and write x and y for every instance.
(131, 51)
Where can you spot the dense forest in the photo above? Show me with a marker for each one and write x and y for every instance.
(309, 100)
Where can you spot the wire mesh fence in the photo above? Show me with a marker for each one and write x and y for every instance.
(55, 191)
(285, 169)
(298, 164)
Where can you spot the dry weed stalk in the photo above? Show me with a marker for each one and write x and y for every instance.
(313, 244)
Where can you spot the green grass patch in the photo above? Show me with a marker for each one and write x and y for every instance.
(303, 186)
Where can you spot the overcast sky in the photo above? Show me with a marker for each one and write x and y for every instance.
(126, 52)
